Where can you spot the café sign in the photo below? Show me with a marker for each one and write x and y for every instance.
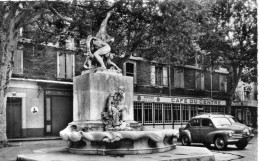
(180, 100)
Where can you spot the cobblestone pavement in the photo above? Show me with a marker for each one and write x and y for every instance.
(232, 154)
(15, 148)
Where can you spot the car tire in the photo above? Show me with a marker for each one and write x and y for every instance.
(241, 145)
(207, 145)
(185, 140)
(220, 143)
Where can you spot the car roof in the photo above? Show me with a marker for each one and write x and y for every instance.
(211, 115)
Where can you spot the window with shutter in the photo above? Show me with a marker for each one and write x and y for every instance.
(130, 70)
(65, 65)
(159, 76)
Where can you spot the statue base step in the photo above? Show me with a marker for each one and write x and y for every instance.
(87, 126)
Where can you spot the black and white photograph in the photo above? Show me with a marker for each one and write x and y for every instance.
(124, 80)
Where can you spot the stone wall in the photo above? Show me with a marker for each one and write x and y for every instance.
(39, 62)
(143, 73)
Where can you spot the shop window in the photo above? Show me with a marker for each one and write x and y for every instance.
(201, 109)
(177, 113)
(130, 70)
(193, 111)
(48, 109)
(207, 109)
(185, 113)
(65, 65)
(138, 112)
(158, 113)
(159, 76)
(195, 122)
(221, 109)
(214, 109)
(148, 113)
(167, 113)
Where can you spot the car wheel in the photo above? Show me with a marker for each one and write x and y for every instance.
(207, 145)
(241, 145)
(220, 143)
(185, 140)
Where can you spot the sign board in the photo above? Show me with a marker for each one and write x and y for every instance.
(180, 100)
(34, 109)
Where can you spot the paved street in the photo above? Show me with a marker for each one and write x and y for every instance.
(248, 154)
(10, 153)
(232, 153)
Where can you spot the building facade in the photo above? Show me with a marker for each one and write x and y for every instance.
(168, 96)
(40, 96)
(39, 100)
(244, 107)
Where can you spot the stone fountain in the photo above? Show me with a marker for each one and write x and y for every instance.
(100, 125)
(103, 108)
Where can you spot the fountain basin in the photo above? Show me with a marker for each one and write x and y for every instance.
(119, 142)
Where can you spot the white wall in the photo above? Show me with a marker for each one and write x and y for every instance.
(32, 95)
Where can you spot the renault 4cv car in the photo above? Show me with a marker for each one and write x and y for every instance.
(215, 129)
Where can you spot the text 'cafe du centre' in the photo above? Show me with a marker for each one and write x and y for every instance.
(177, 100)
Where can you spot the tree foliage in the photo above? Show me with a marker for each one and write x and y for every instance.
(162, 30)
(230, 38)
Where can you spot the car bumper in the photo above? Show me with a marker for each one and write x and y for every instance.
(238, 138)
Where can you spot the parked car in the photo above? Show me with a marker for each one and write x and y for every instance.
(215, 129)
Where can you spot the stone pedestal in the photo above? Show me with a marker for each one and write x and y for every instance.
(91, 91)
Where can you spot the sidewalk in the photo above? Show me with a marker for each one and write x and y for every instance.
(35, 139)
(21, 146)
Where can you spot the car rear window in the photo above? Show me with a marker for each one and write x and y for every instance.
(221, 121)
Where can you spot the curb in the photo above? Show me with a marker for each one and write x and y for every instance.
(181, 153)
(34, 139)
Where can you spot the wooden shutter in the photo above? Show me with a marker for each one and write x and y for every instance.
(61, 64)
(178, 78)
(18, 62)
(69, 66)
(152, 75)
(135, 81)
(165, 76)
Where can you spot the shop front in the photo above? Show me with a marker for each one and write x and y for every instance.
(33, 109)
(172, 112)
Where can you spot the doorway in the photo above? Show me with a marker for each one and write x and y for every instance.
(14, 117)
(58, 113)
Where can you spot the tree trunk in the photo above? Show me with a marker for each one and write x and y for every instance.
(8, 45)
(235, 77)
(3, 137)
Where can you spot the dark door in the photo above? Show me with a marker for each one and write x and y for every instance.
(194, 128)
(62, 109)
(14, 117)
(206, 128)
